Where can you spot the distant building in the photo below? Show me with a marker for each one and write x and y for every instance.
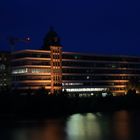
(85, 74)
(5, 70)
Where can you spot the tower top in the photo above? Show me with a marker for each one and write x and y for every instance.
(51, 39)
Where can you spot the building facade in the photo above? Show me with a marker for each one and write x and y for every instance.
(84, 74)
(73, 72)
(5, 70)
(90, 73)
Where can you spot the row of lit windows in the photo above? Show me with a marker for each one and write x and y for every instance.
(72, 84)
(3, 79)
(57, 84)
(56, 56)
(96, 84)
(56, 64)
(57, 78)
(57, 50)
(3, 84)
(30, 70)
(84, 89)
(90, 89)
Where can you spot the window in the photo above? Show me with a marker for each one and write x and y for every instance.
(2, 67)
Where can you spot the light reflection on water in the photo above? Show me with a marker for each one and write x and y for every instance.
(121, 125)
(83, 127)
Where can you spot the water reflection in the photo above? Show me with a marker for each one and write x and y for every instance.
(121, 125)
(52, 129)
(83, 127)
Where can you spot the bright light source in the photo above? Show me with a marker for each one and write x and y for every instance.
(28, 38)
(84, 89)
(87, 77)
(104, 94)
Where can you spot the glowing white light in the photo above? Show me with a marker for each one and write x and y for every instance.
(30, 70)
(84, 89)
(63, 89)
(104, 94)
(18, 71)
(87, 77)
(67, 84)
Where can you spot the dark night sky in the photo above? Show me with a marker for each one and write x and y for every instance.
(97, 26)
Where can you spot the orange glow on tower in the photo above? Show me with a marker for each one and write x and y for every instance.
(56, 69)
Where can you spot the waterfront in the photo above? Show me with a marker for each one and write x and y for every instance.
(119, 125)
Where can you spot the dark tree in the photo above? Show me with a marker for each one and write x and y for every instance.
(51, 39)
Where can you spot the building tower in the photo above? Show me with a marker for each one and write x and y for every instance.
(52, 43)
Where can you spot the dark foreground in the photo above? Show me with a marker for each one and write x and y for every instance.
(42, 106)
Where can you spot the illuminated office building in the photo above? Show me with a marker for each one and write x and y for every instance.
(85, 74)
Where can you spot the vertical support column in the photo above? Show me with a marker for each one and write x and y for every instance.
(56, 69)
(52, 74)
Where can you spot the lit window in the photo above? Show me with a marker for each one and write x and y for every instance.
(18, 71)
(72, 84)
(2, 67)
(25, 70)
(104, 94)
(85, 89)
(88, 77)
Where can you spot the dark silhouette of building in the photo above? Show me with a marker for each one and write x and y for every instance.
(5, 70)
